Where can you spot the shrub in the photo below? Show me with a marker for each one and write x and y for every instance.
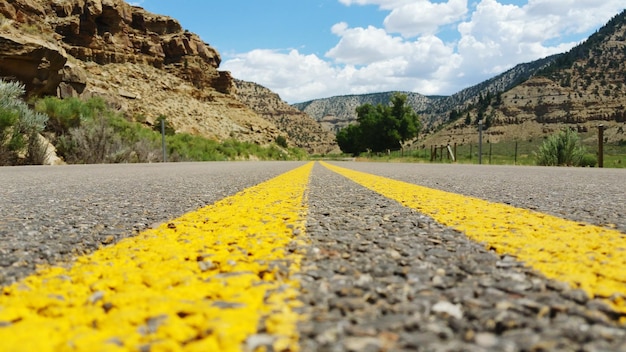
(37, 151)
(65, 114)
(281, 141)
(94, 142)
(588, 160)
(19, 128)
(561, 149)
(88, 132)
(169, 129)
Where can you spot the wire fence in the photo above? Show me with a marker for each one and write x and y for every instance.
(505, 153)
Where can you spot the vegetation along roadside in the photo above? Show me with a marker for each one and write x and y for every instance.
(87, 132)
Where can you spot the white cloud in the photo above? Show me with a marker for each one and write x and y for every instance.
(423, 17)
(362, 46)
(290, 74)
(407, 51)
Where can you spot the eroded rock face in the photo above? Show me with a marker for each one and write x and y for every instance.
(104, 32)
(143, 64)
(300, 129)
(36, 63)
(112, 31)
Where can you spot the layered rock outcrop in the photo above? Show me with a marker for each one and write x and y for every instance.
(301, 129)
(144, 64)
(36, 63)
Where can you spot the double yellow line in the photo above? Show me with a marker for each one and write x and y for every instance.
(221, 278)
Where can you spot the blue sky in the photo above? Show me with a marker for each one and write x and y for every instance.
(308, 49)
(239, 26)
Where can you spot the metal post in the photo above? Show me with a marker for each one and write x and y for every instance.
(480, 142)
(601, 146)
(163, 140)
(515, 163)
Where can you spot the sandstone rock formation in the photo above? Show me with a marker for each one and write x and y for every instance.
(301, 129)
(144, 64)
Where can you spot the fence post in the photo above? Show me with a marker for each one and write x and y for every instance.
(451, 155)
(455, 154)
(601, 146)
(480, 142)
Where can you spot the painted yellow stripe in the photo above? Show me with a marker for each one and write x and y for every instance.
(585, 256)
(203, 282)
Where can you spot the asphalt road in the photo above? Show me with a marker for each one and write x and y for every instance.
(376, 275)
(49, 214)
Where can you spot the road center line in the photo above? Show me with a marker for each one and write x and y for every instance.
(583, 255)
(217, 279)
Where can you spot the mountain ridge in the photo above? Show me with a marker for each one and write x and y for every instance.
(596, 67)
(432, 108)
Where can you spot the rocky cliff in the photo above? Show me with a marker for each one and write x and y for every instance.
(144, 64)
(301, 130)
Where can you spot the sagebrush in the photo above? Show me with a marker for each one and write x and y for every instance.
(20, 128)
(563, 149)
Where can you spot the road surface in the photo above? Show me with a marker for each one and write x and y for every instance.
(312, 256)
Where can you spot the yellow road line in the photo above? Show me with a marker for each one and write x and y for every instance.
(583, 255)
(203, 282)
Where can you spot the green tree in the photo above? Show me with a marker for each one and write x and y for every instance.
(380, 127)
(349, 140)
(468, 119)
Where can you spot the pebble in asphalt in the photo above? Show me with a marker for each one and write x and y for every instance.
(380, 277)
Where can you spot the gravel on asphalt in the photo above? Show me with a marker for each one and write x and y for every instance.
(376, 276)
(379, 276)
(51, 214)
